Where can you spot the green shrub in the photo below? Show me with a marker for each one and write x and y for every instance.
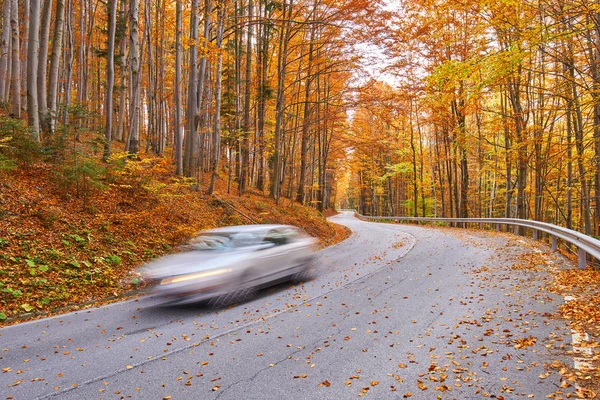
(17, 146)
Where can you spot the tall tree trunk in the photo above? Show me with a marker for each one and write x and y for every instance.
(69, 64)
(15, 91)
(82, 64)
(514, 93)
(122, 116)
(162, 112)
(110, 75)
(43, 64)
(191, 134)
(53, 76)
(151, 134)
(307, 108)
(4, 46)
(132, 145)
(238, 41)
(24, 50)
(413, 160)
(245, 149)
(280, 102)
(579, 145)
(458, 110)
(593, 47)
(216, 156)
(178, 90)
(262, 97)
(569, 205)
(32, 67)
(509, 189)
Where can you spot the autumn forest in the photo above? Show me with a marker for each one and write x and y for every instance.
(440, 108)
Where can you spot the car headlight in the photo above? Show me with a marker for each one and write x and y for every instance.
(197, 275)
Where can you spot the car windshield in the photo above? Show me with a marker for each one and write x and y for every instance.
(224, 242)
(210, 242)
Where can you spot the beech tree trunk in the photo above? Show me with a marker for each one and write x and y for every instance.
(32, 68)
(69, 63)
(306, 118)
(216, 139)
(190, 139)
(280, 102)
(110, 75)
(4, 46)
(43, 64)
(133, 141)
(15, 84)
(24, 51)
(245, 148)
(53, 76)
(178, 90)
(122, 116)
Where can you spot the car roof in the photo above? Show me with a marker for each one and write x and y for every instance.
(247, 228)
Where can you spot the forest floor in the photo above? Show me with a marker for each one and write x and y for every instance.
(72, 238)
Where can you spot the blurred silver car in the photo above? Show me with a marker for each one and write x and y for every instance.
(227, 265)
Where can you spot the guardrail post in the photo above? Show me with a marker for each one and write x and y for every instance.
(535, 234)
(581, 255)
(554, 243)
(481, 226)
(497, 227)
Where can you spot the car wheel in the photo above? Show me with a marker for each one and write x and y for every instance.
(303, 276)
(236, 296)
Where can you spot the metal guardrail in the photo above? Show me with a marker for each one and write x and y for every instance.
(584, 243)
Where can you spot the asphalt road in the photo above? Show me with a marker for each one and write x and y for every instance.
(395, 311)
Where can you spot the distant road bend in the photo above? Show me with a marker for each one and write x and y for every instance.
(395, 311)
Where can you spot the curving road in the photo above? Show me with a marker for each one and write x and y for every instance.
(395, 311)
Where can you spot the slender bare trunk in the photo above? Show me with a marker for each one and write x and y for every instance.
(43, 64)
(69, 64)
(245, 150)
(122, 116)
(110, 75)
(150, 105)
(4, 46)
(280, 102)
(306, 118)
(55, 64)
(178, 89)
(24, 49)
(15, 92)
(191, 134)
(133, 141)
(81, 58)
(33, 119)
(217, 123)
